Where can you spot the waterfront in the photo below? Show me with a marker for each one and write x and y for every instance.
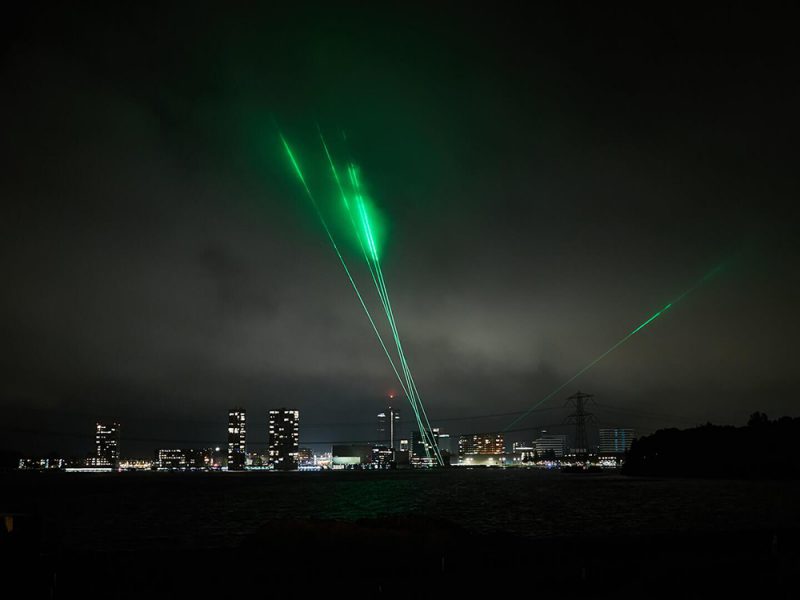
(147, 510)
(368, 533)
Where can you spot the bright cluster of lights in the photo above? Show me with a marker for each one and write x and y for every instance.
(284, 438)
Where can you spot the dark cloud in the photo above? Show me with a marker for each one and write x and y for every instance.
(548, 181)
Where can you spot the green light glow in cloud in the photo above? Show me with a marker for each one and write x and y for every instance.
(368, 235)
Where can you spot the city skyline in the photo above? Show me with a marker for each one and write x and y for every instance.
(554, 417)
(283, 444)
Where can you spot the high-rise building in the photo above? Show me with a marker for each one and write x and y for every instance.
(446, 442)
(550, 445)
(422, 452)
(523, 452)
(388, 424)
(106, 445)
(305, 456)
(184, 459)
(284, 439)
(41, 464)
(348, 456)
(170, 459)
(480, 444)
(481, 449)
(382, 457)
(237, 433)
(615, 441)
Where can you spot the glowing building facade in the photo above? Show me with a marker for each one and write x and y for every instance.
(350, 455)
(480, 444)
(284, 439)
(550, 445)
(422, 452)
(185, 459)
(388, 424)
(486, 449)
(169, 459)
(106, 446)
(523, 452)
(305, 456)
(382, 457)
(237, 434)
(615, 441)
(41, 464)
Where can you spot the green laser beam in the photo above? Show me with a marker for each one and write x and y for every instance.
(384, 294)
(297, 169)
(596, 360)
(376, 274)
(366, 241)
(333, 170)
(343, 195)
(354, 181)
(313, 200)
(370, 238)
(295, 164)
(401, 352)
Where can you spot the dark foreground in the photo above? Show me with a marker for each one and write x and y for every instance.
(410, 534)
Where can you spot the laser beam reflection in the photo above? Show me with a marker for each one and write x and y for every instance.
(638, 328)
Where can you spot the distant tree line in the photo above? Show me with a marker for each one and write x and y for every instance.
(762, 449)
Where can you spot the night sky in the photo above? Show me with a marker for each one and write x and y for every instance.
(548, 179)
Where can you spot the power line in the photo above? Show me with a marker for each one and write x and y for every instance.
(645, 414)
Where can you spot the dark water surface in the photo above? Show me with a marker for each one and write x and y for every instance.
(138, 511)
